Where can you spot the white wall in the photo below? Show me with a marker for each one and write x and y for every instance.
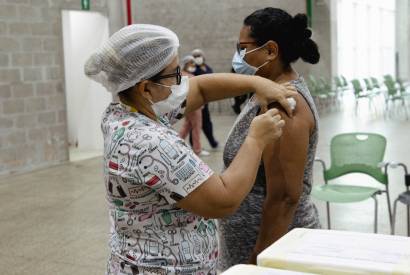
(83, 32)
(403, 38)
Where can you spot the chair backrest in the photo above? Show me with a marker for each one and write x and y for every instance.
(338, 82)
(369, 86)
(375, 82)
(389, 77)
(401, 85)
(313, 80)
(357, 153)
(325, 84)
(391, 87)
(357, 87)
(344, 81)
(316, 85)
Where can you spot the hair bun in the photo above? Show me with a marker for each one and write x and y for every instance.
(307, 33)
(300, 21)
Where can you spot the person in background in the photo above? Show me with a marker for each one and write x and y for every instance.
(193, 121)
(203, 68)
(269, 42)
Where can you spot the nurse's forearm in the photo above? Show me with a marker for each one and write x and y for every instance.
(223, 85)
(211, 87)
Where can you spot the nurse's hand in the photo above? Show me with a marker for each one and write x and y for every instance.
(266, 127)
(268, 91)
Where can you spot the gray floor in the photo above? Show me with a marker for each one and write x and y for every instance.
(54, 221)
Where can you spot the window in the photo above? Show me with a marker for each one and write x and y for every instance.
(366, 38)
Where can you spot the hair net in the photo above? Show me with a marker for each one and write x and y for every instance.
(198, 52)
(132, 54)
(186, 60)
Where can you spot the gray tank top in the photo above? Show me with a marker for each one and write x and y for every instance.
(239, 231)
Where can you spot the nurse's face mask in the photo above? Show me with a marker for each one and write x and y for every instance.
(179, 92)
(238, 61)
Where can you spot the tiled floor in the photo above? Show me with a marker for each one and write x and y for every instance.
(54, 221)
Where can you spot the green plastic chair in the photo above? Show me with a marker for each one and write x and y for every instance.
(354, 153)
(344, 81)
(369, 85)
(398, 84)
(403, 198)
(360, 93)
(403, 89)
(340, 83)
(389, 77)
(326, 87)
(317, 91)
(375, 82)
(372, 88)
(394, 94)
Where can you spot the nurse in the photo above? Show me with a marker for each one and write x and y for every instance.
(162, 198)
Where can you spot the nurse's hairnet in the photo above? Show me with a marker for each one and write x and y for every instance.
(134, 53)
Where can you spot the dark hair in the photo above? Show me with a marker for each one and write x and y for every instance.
(290, 33)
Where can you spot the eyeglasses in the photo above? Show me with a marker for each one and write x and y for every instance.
(239, 45)
(177, 75)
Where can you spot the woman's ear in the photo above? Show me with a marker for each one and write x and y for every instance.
(273, 49)
(143, 89)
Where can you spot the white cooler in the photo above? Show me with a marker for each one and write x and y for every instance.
(243, 269)
(338, 252)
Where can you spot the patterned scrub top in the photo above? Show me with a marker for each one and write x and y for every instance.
(147, 169)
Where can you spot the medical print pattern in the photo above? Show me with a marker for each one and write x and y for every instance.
(147, 169)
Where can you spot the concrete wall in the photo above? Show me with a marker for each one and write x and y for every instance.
(208, 24)
(324, 27)
(214, 26)
(33, 127)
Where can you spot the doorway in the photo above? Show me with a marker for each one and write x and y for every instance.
(83, 33)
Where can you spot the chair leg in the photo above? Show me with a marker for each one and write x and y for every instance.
(393, 225)
(405, 109)
(328, 214)
(375, 213)
(356, 106)
(389, 205)
(408, 220)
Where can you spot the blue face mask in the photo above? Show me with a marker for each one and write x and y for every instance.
(241, 67)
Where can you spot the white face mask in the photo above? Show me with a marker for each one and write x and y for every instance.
(199, 60)
(174, 100)
(191, 69)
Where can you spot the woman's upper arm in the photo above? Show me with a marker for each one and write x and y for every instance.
(285, 160)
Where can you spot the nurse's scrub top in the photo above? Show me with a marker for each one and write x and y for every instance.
(147, 169)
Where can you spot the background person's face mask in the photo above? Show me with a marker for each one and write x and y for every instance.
(199, 60)
(191, 69)
(174, 100)
(241, 67)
